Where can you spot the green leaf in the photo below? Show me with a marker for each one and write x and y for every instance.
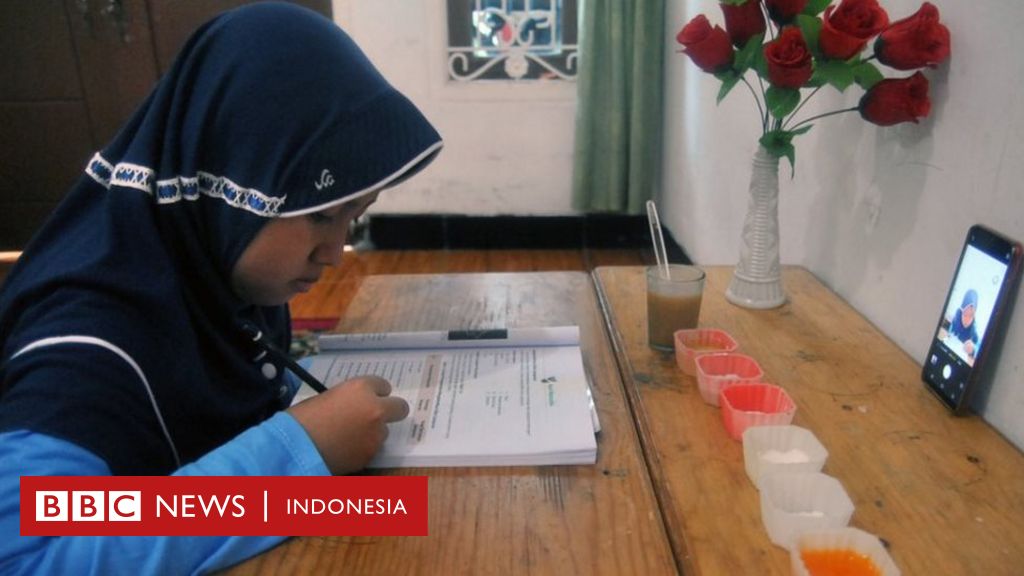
(760, 65)
(781, 101)
(810, 27)
(780, 144)
(782, 149)
(789, 151)
(736, 2)
(813, 7)
(866, 75)
(814, 82)
(835, 72)
(745, 56)
(729, 79)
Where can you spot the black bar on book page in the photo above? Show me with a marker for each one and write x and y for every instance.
(494, 334)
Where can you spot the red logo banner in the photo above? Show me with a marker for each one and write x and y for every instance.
(224, 505)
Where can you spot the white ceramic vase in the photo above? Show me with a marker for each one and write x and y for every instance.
(757, 279)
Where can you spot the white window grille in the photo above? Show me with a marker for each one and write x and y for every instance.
(530, 39)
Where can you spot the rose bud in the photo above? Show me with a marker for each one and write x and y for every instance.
(708, 47)
(846, 29)
(896, 100)
(789, 60)
(916, 41)
(743, 21)
(783, 11)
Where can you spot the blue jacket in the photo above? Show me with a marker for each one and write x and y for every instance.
(276, 447)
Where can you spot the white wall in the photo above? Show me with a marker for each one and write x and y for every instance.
(508, 148)
(878, 214)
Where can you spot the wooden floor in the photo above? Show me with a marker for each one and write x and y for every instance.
(331, 296)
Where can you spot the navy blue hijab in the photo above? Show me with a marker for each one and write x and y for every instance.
(118, 327)
(965, 333)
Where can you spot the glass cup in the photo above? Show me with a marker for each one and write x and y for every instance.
(673, 302)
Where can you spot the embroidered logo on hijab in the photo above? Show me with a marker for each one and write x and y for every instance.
(326, 180)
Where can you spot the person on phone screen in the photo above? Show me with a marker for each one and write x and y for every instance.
(962, 325)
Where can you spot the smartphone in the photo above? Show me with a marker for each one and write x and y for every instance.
(986, 277)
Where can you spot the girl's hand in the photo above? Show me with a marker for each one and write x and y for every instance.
(348, 423)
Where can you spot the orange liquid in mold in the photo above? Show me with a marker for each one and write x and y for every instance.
(837, 562)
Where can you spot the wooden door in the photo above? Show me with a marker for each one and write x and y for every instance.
(71, 72)
(174, 20)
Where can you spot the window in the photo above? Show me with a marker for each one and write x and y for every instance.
(511, 40)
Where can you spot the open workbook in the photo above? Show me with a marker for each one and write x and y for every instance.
(476, 397)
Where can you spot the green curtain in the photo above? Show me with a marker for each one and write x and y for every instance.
(617, 158)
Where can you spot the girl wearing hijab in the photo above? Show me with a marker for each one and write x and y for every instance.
(962, 325)
(125, 327)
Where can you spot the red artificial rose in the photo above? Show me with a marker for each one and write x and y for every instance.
(916, 41)
(783, 11)
(846, 28)
(896, 100)
(743, 21)
(708, 47)
(789, 60)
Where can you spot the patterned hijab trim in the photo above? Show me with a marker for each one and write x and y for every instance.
(171, 190)
(180, 188)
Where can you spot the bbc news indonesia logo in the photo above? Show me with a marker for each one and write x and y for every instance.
(223, 506)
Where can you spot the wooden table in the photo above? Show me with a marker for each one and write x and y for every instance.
(600, 519)
(946, 493)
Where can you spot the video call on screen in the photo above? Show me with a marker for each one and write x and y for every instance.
(968, 312)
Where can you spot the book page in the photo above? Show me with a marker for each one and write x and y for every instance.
(439, 339)
(478, 406)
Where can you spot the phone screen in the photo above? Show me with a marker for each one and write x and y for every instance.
(972, 307)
